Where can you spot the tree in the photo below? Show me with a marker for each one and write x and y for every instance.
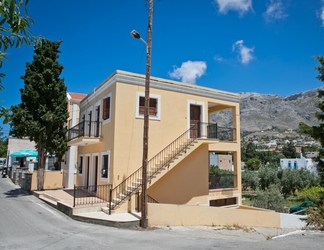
(289, 150)
(253, 164)
(3, 144)
(270, 199)
(43, 110)
(267, 177)
(317, 132)
(250, 180)
(14, 27)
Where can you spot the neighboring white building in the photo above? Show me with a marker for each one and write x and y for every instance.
(298, 163)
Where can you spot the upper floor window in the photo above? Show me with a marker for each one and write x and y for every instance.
(106, 108)
(154, 106)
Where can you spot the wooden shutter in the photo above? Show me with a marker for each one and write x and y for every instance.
(141, 105)
(152, 106)
(106, 108)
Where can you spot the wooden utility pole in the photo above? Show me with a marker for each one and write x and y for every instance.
(146, 116)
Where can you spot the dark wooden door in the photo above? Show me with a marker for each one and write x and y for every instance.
(194, 121)
(87, 170)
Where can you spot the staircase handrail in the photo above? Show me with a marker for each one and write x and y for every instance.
(155, 164)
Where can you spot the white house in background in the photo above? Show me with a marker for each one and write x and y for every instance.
(298, 163)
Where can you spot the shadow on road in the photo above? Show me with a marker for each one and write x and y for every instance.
(13, 193)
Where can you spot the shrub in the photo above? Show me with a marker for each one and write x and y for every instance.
(269, 199)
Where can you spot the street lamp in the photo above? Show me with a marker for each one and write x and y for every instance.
(148, 44)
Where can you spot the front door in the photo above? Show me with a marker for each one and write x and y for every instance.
(194, 121)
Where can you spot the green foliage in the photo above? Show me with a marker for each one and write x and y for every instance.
(250, 180)
(42, 114)
(267, 177)
(317, 132)
(253, 164)
(315, 215)
(215, 170)
(3, 145)
(269, 199)
(289, 150)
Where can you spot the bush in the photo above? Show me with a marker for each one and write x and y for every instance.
(315, 215)
(269, 199)
(250, 180)
(268, 176)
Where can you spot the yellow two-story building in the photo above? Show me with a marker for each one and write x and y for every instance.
(109, 142)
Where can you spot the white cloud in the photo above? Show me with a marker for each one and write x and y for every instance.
(218, 58)
(275, 11)
(245, 53)
(189, 71)
(241, 6)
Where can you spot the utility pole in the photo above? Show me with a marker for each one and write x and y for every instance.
(146, 116)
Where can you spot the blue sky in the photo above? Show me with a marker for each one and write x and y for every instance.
(263, 46)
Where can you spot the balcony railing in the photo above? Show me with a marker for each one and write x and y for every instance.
(222, 181)
(213, 131)
(91, 129)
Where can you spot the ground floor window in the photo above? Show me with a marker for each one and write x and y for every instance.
(223, 202)
(105, 165)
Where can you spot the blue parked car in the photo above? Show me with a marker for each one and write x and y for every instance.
(301, 207)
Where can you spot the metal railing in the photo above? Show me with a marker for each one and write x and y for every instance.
(222, 181)
(150, 199)
(92, 194)
(163, 159)
(213, 131)
(85, 129)
(134, 182)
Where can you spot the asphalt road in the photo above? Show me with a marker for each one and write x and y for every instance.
(28, 223)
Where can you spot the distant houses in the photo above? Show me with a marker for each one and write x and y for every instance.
(299, 163)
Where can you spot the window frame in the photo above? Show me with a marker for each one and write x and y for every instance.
(102, 167)
(80, 164)
(140, 95)
(108, 119)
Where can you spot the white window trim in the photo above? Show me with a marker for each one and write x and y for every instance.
(101, 162)
(80, 174)
(158, 115)
(109, 119)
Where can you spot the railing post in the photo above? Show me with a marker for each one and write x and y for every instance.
(110, 200)
(74, 196)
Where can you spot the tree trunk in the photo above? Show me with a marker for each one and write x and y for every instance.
(41, 167)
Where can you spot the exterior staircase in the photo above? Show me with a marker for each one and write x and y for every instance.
(169, 157)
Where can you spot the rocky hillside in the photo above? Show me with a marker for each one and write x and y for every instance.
(263, 112)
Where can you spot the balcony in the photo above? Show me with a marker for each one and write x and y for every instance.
(85, 133)
(220, 181)
(213, 131)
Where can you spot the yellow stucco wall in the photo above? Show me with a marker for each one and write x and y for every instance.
(52, 180)
(179, 215)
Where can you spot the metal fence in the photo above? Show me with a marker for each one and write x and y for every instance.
(222, 181)
(90, 195)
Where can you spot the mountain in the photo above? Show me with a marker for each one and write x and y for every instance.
(263, 112)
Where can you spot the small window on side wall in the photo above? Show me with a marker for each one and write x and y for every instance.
(104, 166)
(106, 108)
(80, 165)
